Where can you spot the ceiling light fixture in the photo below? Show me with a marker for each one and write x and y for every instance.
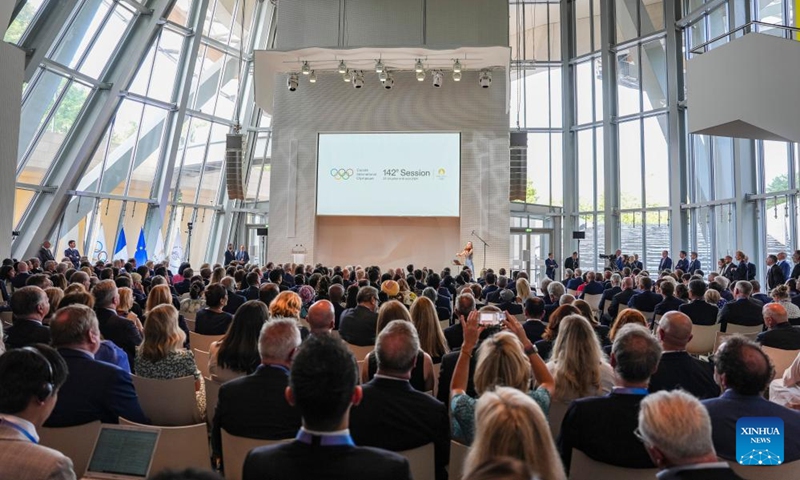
(418, 67)
(456, 76)
(291, 82)
(438, 78)
(485, 79)
(456, 67)
(346, 76)
(379, 68)
(342, 67)
(421, 76)
(358, 79)
(312, 77)
(383, 75)
(306, 68)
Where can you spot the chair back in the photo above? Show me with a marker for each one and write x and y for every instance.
(572, 292)
(444, 323)
(584, 468)
(556, 415)
(212, 395)
(722, 336)
(605, 307)
(189, 316)
(203, 342)
(593, 301)
(7, 318)
(76, 443)
(743, 329)
(190, 324)
(235, 450)
(772, 472)
(437, 367)
(201, 358)
(360, 352)
(421, 462)
(703, 338)
(458, 453)
(781, 359)
(179, 447)
(168, 403)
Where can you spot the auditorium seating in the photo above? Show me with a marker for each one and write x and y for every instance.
(781, 359)
(179, 447)
(212, 396)
(181, 407)
(235, 450)
(190, 324)
(6, 318)
(584, 468)
(437, 367)
(743, 329)
(594, 302)
(721, 336)
(556, 415)
(703, 338)
(786, 471)
(360, 352)
(201, 358)
(76, 443)
(421, 460)
(189, 316)
(458, 453)
(203, 342)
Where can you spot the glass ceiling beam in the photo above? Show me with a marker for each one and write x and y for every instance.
(44, 31)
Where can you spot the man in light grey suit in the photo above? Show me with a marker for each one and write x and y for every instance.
(29, 381)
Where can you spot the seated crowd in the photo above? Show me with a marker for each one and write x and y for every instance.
(525, 375)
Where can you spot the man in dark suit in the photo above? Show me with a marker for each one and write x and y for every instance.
(73, 254)
(698, 310)
(554, 292)
(230, 255)
(242, 256)
(670, 302)
(780, 333)
(774, 273)
(677, 369)
(602, 427)
(550, 266)
(796, 269)
(507, 303)
(357, 325)
(323, 386)
(743, 310)
(183, 287)
(622, 298)
(94, 390)
(676, 431)
(576, 281)
(694, 265)
(646, 300)
(118, 329)
(22, 275)
(494, 296)
(608, 294)
(491, 285)
(572, 262)
(253, 282)
(592, 287)
(786, 267)
(683, 262)
(665, 263)
(255, 406)
(744, 372)
(29, 307)
(394, 416)
(533, 326)
(757, 294)
(44, 253)
(234, 299)
(454, 334)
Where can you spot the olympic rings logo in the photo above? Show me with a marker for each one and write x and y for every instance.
(341, 173)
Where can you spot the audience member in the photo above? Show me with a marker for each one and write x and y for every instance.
(323, 384)
(288, 305)
(321, 318)
(764, 298)
(454, 334)
(501, 468)
(622, 298)
(669, 303)
(534, 312)
(213, 319)
(29, 306)
(118, 329)
(677, 369)
(646, 300)
(161, 355)
(357, 325)
(698, 310)
(234, 300)
(236, 354)
(545, 345)
(196, 300)
(780, 333)
(431, 337)
(743, 310)
(781, 296)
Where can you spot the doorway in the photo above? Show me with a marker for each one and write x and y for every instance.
(529, 249)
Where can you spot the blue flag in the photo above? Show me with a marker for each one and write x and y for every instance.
(121, 250)
(141, 249)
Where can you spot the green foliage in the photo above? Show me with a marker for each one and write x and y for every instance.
(20, 24)
(69, 108)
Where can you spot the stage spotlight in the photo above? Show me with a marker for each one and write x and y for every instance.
(306, 69)
(456, 76)
(379, 67)
(485, 79)
(438, 78)
(358, 79)
(347, 76)
(421, 76)
(342, 67)
(383, 76)
(418, 67)
(292, 82)
(312, 77)
(389, 83)
(456, 67)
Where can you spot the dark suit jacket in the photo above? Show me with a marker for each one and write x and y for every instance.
(395, 417)
(446, 376)
(694, 265)
(740, 312)
(534, 329)
(94, 390)
(700, 312)
(234, 302)
(454, 334)
(19, 280)
(783, 336)
(250, 293)
(337, 315)
(242, 256)
(27, 332)
(645, 301)
(229, 257)
(774, 276)
(682, 265)
(602, 428)
(608, 296)
(488, 290)
(297, 460)
(665, 264)
(681, 370)
(548, 309)
(668, 304)
(796, 271)
(255, 407)
(571, 263)
(183, 287)
(119, 330)
(357, 326)
(622, 298)
(45, 255)
(512, 308)
(593, 288)
(212, 323)
(709, 473)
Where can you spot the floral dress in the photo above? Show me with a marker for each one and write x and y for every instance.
(463, 413)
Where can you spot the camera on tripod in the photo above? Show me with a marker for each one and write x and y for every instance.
(606, 257)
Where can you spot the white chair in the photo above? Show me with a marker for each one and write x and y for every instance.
(235, 450)
(520, 317)
(556, 415)
(594, 302)
(572, 292)
(772, 472)
(733, 328)
(781, 359)
(421, 462)
(605, 307)
(212, 396)
(201, 358)
(7, 318)
(76, 443)
(703, 338)
(444, 324)
(437, 367)
(458, 453)
(168, 403)
(649, 316)
(179, 447)
(656, 321)
(360, 352)
(722, 336)
(189, 316)
(190, 323)
(203, 342)
(584, 468)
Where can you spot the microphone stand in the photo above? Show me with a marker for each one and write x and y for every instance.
(484, 249)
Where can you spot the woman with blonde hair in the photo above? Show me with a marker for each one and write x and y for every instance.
(422, 373)
(509, 423)
(160, 295)
(713, 297)
(577, 362)
(125, 305)
(406, 293)
(545, 345)
(54, 297)
(523, 290)
(504, 359)
(217, 275)
(431, 336)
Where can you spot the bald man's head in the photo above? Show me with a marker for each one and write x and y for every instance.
(774, 314)
(674, 330)
(321, 317)
(627, 283)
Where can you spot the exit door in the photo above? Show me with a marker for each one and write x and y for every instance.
(529, 249)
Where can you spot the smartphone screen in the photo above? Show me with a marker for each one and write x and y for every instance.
(488, 318)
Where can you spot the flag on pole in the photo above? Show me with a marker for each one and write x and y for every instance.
(121, 250)
(99, 251)
(141, 249)
(159, 255)
(176, 257)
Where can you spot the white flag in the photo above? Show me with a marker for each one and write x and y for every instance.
(176, 257)
(159, 252)
(99, 249)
